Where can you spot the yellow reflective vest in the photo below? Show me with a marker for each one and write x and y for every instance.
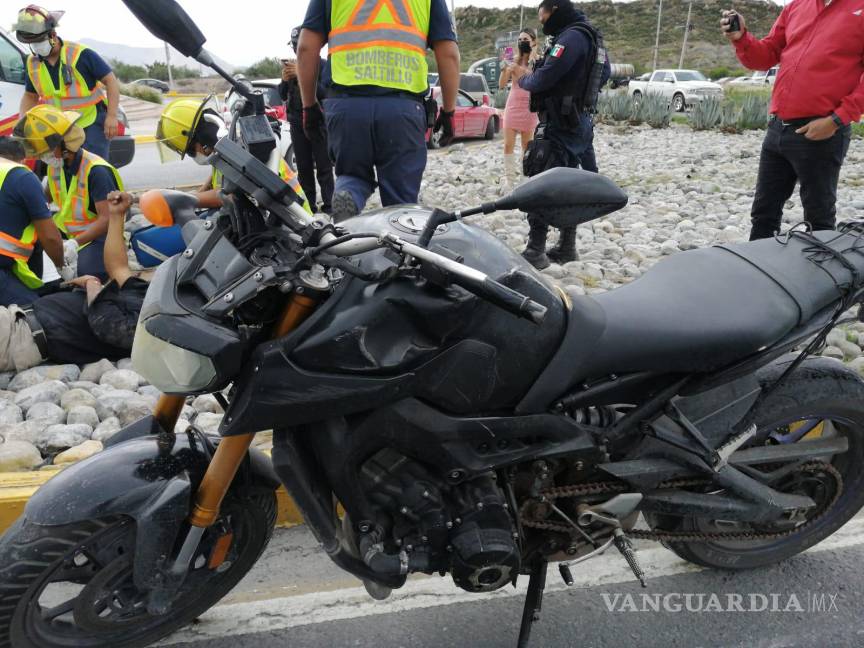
(285, 172)
(19, 249)
(73, 92)
(73, 197)
(380, 43)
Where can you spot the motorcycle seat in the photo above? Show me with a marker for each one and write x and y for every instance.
(698, 311)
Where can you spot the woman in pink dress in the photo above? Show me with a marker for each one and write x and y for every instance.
(518, 118)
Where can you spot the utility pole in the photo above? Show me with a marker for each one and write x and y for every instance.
(686, 34)
(657, 40)
(521, 18)
(168, 62)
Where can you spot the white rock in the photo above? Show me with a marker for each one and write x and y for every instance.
(125, 363)
(48, 413)
(150, 391)
(47, 392)
(78, 453)
(94, 371)
(121, 379)
(5, 378)
(128, 407)
(25, 431)
(76, 398)
(18, 455)
(37, 375)
(208, 422)
(207, 403)
(55, 438)
(858, 365)
(106, 429)
(833, 352)
(10, 413)
(669, 247)
(86, 385)
(82, 414)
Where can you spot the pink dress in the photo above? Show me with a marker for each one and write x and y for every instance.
(517, 114)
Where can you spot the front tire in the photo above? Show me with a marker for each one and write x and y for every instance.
(71, 585)
(678, 103)
(819, 390)
(490, 129)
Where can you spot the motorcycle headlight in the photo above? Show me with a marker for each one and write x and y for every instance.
(169, 368)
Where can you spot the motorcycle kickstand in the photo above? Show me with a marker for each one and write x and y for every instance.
(533, 602)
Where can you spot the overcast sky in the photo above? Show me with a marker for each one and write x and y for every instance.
(240, 32)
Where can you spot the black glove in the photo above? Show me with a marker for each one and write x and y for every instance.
(313, 123)
(444, 123)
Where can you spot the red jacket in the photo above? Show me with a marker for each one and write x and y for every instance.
(821, 55)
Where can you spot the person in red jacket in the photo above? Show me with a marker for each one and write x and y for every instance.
(818, 93)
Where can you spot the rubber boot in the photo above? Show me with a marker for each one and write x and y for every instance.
(535, 252)
(510, 175)
(565, 250)
(344, 207)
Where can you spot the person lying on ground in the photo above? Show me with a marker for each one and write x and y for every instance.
(95, 320)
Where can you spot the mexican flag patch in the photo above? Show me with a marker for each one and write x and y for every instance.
(557, 51)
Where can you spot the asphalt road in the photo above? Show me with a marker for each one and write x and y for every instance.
(147, 171)
(296, 598)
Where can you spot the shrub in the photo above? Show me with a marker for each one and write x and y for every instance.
(729, 117)
(638, 110)
(706, 114)
(658, 114)
(858, 130)
(142, 92)
(614, 107)
(754, 113)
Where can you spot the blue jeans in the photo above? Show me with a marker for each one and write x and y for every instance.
(12, 291)
(383, 136)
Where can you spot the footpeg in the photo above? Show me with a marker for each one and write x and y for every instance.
(566, 574)
(625, 546)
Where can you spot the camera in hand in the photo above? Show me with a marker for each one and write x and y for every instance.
(734, 24)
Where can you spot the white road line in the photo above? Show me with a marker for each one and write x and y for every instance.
(324, 607)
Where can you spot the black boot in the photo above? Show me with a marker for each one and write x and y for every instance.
(343, 207)
(535, 252)
(565, 250)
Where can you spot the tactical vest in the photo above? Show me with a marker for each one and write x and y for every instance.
(285, 172)
(21, 249)
(73, 93)
(572, 97)
(380, 43)
(73, 197)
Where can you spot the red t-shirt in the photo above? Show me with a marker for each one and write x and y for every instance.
(820, 50)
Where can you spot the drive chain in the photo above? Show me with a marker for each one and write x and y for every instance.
(610, 488)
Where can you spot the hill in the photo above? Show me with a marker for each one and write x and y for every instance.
(147, 55)
(629, 29)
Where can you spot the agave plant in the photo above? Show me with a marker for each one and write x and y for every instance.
(621, 107)
(754, 113)
(706, 114)
(729, 117)
(638, 111)
(657, 111)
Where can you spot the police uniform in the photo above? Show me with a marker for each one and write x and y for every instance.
(73, 83)
(375, 116)
(558, 87)
(22, 201)
(311, 156)
(75, 188)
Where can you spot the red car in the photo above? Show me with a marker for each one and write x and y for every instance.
(472, 119)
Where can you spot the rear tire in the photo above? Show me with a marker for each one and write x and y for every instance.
(490, 129)
(30, 555)
(818, 390)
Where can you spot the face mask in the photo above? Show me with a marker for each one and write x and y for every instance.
(52, 161)
(202, 159)
(42, 49)
(524, 47)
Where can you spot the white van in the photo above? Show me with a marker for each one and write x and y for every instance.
(13, 72)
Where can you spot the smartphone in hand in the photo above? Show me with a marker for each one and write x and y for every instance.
(734, 24)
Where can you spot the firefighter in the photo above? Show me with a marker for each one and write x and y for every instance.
(70, 76)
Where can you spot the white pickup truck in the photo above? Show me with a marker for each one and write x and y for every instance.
(683, 88)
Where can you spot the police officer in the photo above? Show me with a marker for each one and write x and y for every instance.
(309, 155)
(564, 87)
(78, 181)
(70, 76)
(26, 218)
(375, 114)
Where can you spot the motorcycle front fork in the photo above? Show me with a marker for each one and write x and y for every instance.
(230, 452)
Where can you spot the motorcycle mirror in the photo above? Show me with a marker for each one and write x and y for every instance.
(168, 22)
(566, 197)
(164, 207)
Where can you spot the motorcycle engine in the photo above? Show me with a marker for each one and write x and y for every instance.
(464, 529)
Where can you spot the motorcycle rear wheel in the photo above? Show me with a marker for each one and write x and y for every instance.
(71, 585)
(812, 393)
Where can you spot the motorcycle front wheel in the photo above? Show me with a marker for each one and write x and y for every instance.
(72, 585)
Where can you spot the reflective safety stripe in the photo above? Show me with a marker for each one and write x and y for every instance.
(290, 178)
(19, 249)
(73, 198)
(73, 92)
(380, 42)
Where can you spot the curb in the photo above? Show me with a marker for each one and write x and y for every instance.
(145, 139)
(17, 488)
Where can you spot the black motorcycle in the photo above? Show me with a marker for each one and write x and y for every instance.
(468, 417)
